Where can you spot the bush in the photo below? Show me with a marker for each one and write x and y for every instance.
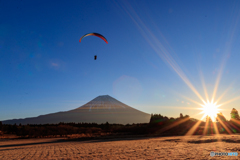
(234, 114)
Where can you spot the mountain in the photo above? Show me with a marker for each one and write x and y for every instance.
(101, 109)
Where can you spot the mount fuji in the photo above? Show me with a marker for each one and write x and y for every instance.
(101, 109)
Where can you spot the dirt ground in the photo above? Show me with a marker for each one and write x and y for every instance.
(178, 147)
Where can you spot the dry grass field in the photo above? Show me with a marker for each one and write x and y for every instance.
(178, 147)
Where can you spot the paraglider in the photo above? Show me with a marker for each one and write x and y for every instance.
(94, 34)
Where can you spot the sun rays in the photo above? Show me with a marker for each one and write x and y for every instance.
(209, 107)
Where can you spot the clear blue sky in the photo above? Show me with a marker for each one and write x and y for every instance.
(155, 50)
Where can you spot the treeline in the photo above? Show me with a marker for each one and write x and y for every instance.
(158, 125)
(162, 125)
(159, 119)
(180, 126)
(63, 129)
(1, 133)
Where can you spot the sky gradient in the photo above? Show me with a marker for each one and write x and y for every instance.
(159, 56)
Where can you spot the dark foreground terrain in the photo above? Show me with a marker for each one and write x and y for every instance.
(161, 138)
(176, 147)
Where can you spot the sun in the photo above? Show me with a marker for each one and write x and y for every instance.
(210, 109)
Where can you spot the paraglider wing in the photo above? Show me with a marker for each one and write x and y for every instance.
(94, 34)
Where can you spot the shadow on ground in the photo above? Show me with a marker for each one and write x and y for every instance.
(83, 140)
(214, 140)
(196, 140)
(34, 143)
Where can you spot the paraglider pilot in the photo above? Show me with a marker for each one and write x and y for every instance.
(95, 57)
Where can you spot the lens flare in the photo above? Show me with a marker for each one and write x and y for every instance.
(210, 109)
